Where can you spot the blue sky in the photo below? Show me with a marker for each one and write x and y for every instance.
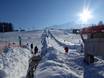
(41, 13)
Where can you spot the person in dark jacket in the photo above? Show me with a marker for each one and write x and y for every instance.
(35, 49)
(31, 46)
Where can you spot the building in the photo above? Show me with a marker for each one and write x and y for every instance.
(6, 27)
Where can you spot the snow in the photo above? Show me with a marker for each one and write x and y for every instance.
(95, 70)
(55, 62)
(14, 62)
(58, 64)
(27, 37)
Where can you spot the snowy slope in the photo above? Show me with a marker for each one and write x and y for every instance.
(14, 63)
(57, 64)
(63, 35)
(27, 37)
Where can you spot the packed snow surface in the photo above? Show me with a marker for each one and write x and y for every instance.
(55, 63)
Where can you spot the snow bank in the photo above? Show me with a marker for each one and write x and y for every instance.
(53, 66)
(14, 63)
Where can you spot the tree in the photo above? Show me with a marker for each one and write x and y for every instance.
(6, 27)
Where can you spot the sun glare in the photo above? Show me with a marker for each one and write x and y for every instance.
(85, 15)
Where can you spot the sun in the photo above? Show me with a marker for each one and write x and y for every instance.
(85, 15)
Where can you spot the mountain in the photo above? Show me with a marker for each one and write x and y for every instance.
(69, 25)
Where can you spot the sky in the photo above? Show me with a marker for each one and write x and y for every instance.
(31, 14)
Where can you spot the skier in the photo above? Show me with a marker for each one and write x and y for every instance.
(66, 49)
(35, 49)
(31, 46)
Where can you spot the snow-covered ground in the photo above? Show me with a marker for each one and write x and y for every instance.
(14, 61)
(55, 62)
(27, 37)
(58, 64)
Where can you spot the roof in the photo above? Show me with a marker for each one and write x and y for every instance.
(93, 29)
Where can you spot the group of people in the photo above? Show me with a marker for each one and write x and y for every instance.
(34, 50)
(33, 61)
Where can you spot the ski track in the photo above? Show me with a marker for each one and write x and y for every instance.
(69, 61)
(53, 45)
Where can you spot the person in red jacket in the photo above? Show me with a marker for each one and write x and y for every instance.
(66, 49)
